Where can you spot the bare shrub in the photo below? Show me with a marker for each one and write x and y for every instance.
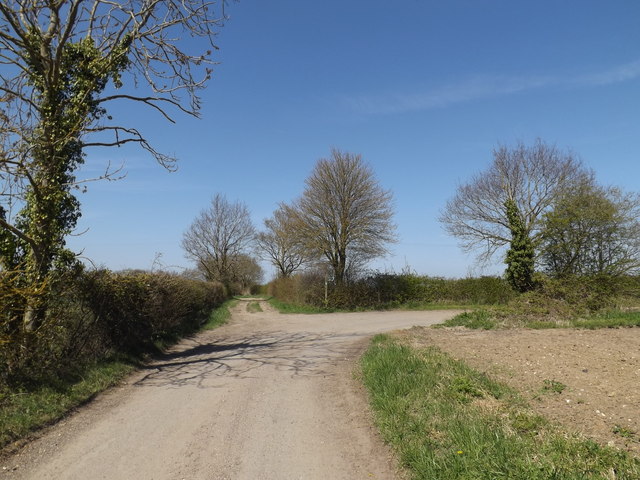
(219, 238)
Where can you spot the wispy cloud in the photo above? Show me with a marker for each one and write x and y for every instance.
(622, 73)
(486, 86)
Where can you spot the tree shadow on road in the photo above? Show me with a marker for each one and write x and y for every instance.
(208, 364)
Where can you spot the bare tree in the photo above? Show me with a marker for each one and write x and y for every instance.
(64, 62)
(528, 178)
(344, 215)
(218, 237)
(247, 272)
(279, 242)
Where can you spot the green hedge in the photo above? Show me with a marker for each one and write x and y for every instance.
(577, 295)
(552, 296)
(383, 290)
(133, 310)
(92, 315)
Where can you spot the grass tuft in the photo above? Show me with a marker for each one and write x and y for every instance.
(448, 421)
(254, 307)
(553, 386)
(426, 306)
(478, 319)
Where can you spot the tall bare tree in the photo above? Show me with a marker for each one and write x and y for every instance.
(279, 243)
(64, 62)
(218, 238)
(528, 179)
(344, 215)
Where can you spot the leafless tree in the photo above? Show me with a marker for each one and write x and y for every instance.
(46, 45)
(531, 176)
(63, 64)
(279, 242)
(246, 272)
(218, 237)
(344, 215)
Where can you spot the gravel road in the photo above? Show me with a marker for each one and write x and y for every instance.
(267, 396)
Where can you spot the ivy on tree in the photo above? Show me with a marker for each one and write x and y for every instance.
(63, 63)
(520, 256)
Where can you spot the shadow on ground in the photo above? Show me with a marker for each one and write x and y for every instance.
(300, 353)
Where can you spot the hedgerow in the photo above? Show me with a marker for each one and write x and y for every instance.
(93, 315)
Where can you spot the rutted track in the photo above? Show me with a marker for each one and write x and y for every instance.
(267, 396)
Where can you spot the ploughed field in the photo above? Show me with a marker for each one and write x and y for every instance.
(587, 380)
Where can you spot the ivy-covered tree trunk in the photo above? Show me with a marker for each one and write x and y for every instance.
(65, 82)
(63, 63)
(50, 213)
(520, 256)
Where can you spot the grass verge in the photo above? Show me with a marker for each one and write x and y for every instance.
(419, 306)
(448, 421)
(609, 320)
(486, 319)
(24, 411)
(283, 307)
(220, 315)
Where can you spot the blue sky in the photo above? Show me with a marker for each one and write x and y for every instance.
(423, 90)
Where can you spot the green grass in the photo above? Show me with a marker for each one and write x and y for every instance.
(553, 386)
(220, 315)
(419, 306)
(624, 432)
(283, 307)
(488, 319)
(611, 319)
(23, 411)
(478, 319)
(448, 421)
(254, 307)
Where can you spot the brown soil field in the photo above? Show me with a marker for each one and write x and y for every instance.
(597, 371)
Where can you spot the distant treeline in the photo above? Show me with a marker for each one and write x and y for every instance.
(388, 290)
(570, 294)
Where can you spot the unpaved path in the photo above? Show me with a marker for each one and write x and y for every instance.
(267, 396)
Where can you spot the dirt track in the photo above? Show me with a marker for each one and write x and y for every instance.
(267, 396)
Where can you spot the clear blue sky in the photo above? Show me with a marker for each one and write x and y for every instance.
(423, 90)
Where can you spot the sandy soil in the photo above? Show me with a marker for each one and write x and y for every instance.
(600, 370)
(267, 396)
